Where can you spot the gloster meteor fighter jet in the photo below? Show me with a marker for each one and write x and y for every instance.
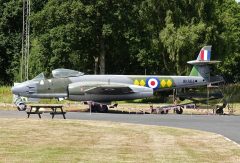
(103, 89)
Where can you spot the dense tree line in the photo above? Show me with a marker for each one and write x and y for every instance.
(121, 37)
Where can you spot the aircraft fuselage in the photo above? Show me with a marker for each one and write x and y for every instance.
(77, 88)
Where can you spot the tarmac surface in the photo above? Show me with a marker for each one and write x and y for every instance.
(228, 126)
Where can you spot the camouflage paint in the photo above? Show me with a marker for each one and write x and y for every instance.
(194, 71)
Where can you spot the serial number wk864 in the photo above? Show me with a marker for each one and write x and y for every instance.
(188, 81)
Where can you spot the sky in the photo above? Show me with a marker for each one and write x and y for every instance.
(238, 0)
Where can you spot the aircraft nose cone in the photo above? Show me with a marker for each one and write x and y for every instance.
(17, 90)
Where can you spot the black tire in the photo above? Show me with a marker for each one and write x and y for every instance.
(219, 111)
(94, 108)
(164, 112)
(103, 109)
(179, 111)
(21, 107)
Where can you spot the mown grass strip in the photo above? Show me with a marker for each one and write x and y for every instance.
(32, 140)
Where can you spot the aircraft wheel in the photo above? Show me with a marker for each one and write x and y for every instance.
(22, 107)
(103, 109)
(164, 112)
(219, 111)
(179, 111)
(95, 107)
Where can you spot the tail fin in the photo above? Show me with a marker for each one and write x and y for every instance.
(205, 54)
(201, 64)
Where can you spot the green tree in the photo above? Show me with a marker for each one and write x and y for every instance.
(127, 37)
(91, 29)
(229, 39)
(10, 40)
(179, 42)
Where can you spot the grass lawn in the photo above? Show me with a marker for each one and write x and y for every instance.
(30, 140)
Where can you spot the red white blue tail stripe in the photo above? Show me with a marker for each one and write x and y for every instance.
(204, 55)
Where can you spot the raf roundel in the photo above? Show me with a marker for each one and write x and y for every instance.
(153, 83)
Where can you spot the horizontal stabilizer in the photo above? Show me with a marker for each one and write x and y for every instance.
(197, 62)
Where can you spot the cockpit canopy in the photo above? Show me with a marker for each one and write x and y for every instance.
(39, 77)
(64, 73)
(60, 73)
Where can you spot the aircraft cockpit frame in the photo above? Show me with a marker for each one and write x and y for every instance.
(59, 73)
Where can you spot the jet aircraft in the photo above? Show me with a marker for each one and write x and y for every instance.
(101, 90)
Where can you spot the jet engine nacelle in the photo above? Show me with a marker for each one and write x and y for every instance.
(103, 91)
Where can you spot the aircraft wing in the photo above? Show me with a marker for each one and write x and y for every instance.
(103, 88)
(102, 91)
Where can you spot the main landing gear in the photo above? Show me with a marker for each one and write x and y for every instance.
(219, 108)
(98, 108)
(179, 110)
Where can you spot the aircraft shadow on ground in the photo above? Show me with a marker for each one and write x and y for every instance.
(110, 111)
(140, 112)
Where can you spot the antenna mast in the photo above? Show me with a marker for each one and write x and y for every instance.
(25, 40)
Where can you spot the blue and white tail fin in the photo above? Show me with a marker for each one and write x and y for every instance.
(201, 64)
